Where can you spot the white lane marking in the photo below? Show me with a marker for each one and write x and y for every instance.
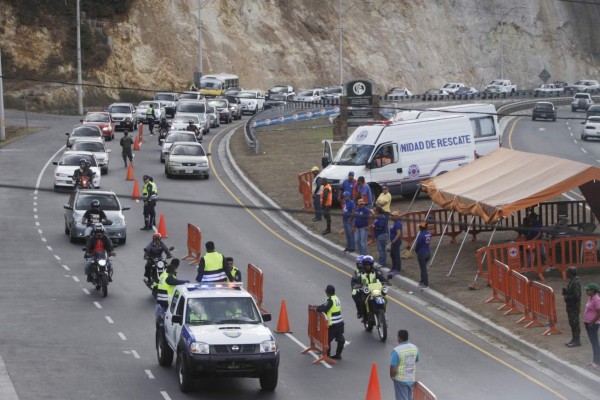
(542, 129)
(150, 376)
(39, 179)
(571, 133)
(135, 354)
(37, 223)
(49, 248)
(44, 240)
(76, 279)
(122, 336)
(86, 291)
(65, 267)
(41, 232)
(598, 161)
(303, 347)
(584, 150)
(97, 305)
(109, 319)
(35, 203)
(34, 209)
(35, 216)
(57, 257)
(165, 395)
(35, 197)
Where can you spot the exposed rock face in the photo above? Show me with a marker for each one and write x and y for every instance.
(418, 44)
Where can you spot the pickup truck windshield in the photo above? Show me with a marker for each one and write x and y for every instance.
(353, 154)
(231, 310)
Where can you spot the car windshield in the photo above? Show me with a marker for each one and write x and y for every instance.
(120, 110)
(192, 96)
(279, 89)
(218, 103)
(211, 109)
(210, 84)
(306, 93)
(278, 97)
(581, 96)
(231, 100)
(188, 151)
(108, 202)
(181, 137)
(496, 83)
(233, 310)
(97, 118)
(450, 85)
(545, 86)
(544, 105)
(247, 95)
(73, 159)
(165, 96)
(594, 120)
(191, 107)
(588, 83)
(579, 83)
(333, 90)
(94, 147)
(145, 104)
(86, 131)
(353, 154)
(185, 119)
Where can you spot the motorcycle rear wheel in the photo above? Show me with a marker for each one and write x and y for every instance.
(381, 323)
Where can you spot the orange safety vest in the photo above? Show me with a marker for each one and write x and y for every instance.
(329, 199)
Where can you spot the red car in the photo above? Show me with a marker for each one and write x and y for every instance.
(103, 121)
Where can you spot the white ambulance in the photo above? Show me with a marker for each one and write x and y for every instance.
(483, 118)
(401, 154)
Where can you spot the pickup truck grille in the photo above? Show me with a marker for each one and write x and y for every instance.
(242, 349)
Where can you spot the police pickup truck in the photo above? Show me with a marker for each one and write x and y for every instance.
(216, 330)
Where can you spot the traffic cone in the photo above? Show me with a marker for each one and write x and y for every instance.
(136, 191)
(162, 228)
(130, 173)
(283, 325)
(136, 143)
(373, 392)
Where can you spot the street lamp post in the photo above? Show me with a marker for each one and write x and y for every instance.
(200, 36)
(502, 39)
(79, 79)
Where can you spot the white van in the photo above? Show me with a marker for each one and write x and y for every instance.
(401, 154)
(483, 118)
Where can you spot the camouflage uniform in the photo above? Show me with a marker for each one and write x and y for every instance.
(572, 295)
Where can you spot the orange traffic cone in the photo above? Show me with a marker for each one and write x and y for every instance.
(136, 191)
(283, 325)
(130, 173)
(162, 228)
(136, 143)
(373, 392)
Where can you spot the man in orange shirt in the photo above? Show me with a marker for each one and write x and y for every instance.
(326, 201)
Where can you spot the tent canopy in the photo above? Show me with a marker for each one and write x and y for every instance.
(505, 181)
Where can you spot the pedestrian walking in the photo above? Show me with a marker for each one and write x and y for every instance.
(591, 320)
(326, 202)
(348, 207)
(572, 296)
(361, 227)
(381, 233)
(126, 144)
(423, 253)
(317, 194)
(403, 366)
(333, 309)
(396, 243)
(149, 195)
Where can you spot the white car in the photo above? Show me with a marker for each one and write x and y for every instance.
(159, 111)
(194, 107)
(591, 128)
(452, 87)
(585, 85)
(68, 163)
(213, 116)
(187, 159)
(95, 146)
(310, 95)
(182, 121)
(172, 137)
(252, 101)
(123, 115)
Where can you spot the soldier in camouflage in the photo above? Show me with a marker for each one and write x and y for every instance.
(572, 295)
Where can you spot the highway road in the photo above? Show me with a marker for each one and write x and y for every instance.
(59, 339)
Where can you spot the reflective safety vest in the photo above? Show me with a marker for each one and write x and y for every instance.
(164, 291)
(233, 314)
(407, 358)
(234, 273)
(367, 278)
(154, 191)
(193, 317)
(213, 268)
(334, 314)
(150, 112)
(329, 199)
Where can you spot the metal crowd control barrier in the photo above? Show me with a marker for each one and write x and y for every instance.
(499, 281)
(581, 252)
(305, 188)
(255, 284)
(318, 333)
(194, 244)
(437, 220)
(518, 289)
(421, 392)
(543, 307)
(521, 256)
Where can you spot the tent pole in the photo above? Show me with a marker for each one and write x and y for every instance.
(440, 241)
(461, 245)
(474, 284)
(412, 246)
(414, 198)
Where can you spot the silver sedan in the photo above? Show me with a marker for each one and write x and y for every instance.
(187, 159)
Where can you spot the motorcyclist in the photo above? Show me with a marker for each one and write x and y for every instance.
(163, 129)
(154, 249)
(368, 275)
(83, 170)
(97, 245)
(191, 127)
(355, 282)
(93, 216)
(167, 282)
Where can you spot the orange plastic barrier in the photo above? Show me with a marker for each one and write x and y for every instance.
(543, 307)
(141, 132)
(420, 392)
(437, 220)
(305, 188)
(574, 251)
(518, 291)
(498, 279)
(255, 284)
(318, 333)
(520, 256)
(194, 244)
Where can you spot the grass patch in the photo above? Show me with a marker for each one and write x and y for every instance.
(14, 133)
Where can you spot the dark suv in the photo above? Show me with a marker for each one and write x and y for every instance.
(545, 110)
(593, 111)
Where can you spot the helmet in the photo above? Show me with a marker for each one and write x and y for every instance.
(82, 162)
(572, 271)
(98, 228)
(368, 260)
(95, 203)
(359, 259)
(191, 122)
(156, 236)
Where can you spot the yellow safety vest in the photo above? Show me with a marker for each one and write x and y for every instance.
(367, 278)
(213, 268)
(164, 291)
(334, 314)
(150, 112)
(234, 272)
(154, 190)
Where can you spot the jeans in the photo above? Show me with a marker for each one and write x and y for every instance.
(360, 238)
(349, 235)
(403, 390)
(395, 253)
(592, 331)
(423, 259)
(317, 207)
(382, 241)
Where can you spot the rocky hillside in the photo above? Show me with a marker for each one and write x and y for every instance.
(418, 44)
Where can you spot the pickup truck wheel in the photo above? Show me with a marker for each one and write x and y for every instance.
(573, 109)
(186, 381)
(163, 351)
(268, 380)
(533, 118)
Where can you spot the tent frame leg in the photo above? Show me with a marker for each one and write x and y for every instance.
(461, 245)
(440, 241)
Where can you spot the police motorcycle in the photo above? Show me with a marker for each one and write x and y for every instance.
(375, 306)
(101, 270)
(162, 131)
(158, 266)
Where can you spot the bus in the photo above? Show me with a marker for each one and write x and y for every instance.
(218, 84)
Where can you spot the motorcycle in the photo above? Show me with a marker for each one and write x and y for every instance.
(101, 271)
(375, 306)
(162, 132)
(158, 266)
(84, 182)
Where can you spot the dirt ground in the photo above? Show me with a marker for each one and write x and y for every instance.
(286, 152)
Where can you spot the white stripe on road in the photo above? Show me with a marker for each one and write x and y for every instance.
(165, 395)
(35, 216)
(109, 319)
(85, 291)
(35, 203)
(34, 209)
(49, 248)
(37, 223)
(121, 335)
(57, 257)
(44, 239)
(97, 305)
(76, 279)
(41, 232)
(65, 267)
(584, 150)
(149, 373)
(135, 354)
(303, 347)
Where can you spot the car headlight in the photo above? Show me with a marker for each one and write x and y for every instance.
(203, 164)
(118, 224)
(201, 348)
(107, 129)
(175, 163)
(268, 346)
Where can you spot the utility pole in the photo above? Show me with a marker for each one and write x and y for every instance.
(341, 45)
(200, 36)
(2, 124)
(79, 80)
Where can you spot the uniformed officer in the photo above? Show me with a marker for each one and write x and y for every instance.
(167, 282)
(326, 201)
(149, 195)
(233, 270)
(333, 308)
(213, 267)
(572, 295)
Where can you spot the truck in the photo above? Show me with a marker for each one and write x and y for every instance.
(501, 86)
(452, 87)
(216, 330)
(401, 154)
(546, 89)
(581, 101)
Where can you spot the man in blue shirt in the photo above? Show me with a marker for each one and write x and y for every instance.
(395, 243)
(381, 233)
(348, 207)
(348, 185)
(423, 253)
(361, 226)
(364, 191)
(403, 366)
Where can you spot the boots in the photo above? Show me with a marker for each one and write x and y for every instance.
(338, 351)
(328, 230)
(574, 342)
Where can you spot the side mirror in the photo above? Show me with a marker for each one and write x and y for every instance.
(177, 319)
(125, 208)
(67, 133)
(209, 154)
(80, 120)
(171, 248)
(67, 207)
(266, 317)
(325, 161)
(54, 162)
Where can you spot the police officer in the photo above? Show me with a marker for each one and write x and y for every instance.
(154, 249)
(572, 296)
(149, 195)
(213, 267)
(333, 308)
(167, 282)
(368, 275)
(150, 118)
(355, 283)
(326, 201)
(233, 270)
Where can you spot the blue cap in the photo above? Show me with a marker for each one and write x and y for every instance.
(346, 194)
(351, 173)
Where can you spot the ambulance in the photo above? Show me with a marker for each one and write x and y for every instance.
(401, 154)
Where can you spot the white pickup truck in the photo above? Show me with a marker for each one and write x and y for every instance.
(501, 86)
(547, 89)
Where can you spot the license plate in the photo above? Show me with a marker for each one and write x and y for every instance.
(378, 300)
(189, 171)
